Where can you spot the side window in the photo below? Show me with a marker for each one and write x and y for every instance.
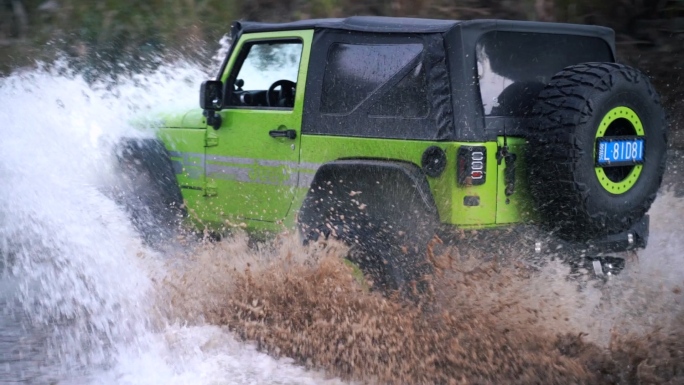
(407, 99)
(513, 67)
(265, 75)
(356, 74)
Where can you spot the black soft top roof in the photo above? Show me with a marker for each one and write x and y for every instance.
(381, 24)
(357, 23)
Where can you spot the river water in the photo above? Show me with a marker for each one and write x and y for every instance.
(83, 300)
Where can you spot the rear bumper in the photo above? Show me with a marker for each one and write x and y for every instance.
(634, 238)
(528, 237)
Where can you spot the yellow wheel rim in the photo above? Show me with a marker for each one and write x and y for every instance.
(624, 185)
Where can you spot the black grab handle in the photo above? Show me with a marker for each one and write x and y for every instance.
(290, 134)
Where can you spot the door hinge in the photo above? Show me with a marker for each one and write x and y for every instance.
(509, 159)
(211, 140)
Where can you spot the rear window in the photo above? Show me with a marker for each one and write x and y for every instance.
(368, 74)
(513, 67)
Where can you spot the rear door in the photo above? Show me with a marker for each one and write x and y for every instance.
(252, 159)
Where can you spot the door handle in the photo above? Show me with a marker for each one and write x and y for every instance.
(290, 134)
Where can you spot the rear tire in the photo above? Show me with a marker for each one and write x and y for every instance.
(383, 210)
(581, 104)
(392, 258)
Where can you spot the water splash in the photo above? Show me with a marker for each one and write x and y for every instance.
(64, 244)
(79, 301)
(501, 320)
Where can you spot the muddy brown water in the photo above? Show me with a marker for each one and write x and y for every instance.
(506, 319)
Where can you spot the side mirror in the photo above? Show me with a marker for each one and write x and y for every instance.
(211, 95)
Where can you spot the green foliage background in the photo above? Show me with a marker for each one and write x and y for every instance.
(111, 30)
(113, 33)
(119, 36)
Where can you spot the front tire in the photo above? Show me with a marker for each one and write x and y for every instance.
(148, 190)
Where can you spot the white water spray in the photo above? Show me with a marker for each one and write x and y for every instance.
(77, 285)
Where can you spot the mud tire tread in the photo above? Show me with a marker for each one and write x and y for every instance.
(565, 194)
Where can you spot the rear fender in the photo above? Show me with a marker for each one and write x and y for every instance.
(356, 192)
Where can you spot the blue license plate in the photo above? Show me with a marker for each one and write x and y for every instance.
(620, 151)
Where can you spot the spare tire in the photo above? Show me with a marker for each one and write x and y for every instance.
(578, 196)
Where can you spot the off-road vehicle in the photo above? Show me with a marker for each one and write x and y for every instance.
(377, 131)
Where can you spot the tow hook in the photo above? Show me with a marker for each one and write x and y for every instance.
(605, 266)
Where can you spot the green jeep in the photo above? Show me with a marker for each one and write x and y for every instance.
(378, 131)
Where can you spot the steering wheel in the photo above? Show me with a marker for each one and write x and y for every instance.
(285, 95)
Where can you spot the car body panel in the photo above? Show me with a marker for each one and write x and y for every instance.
(238, 175)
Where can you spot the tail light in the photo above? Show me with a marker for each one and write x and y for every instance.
(471, 165)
